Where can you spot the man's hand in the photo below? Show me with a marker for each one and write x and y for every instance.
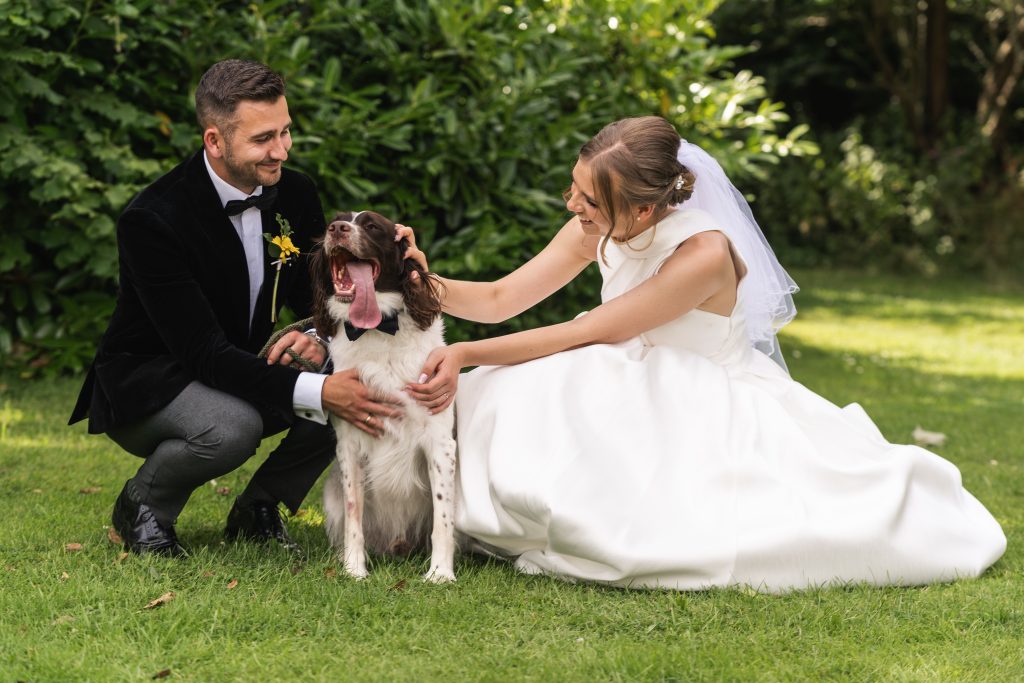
(300, 344)
(348, 398)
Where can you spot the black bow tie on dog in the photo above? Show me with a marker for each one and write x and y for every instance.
(388, 324)
(260, 201)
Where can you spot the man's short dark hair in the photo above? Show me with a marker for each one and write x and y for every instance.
(229, 82)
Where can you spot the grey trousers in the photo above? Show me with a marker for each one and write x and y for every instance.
(204, 434)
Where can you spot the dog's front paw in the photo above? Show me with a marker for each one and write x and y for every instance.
(357, 574)
(355, 566)
(438, 575)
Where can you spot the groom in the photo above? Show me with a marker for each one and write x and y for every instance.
(176, 379)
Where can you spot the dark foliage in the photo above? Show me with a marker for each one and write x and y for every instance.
(918, 108)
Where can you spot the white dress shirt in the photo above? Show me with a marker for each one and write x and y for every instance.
(249, 225)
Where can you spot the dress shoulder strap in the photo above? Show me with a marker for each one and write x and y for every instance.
(683, 224)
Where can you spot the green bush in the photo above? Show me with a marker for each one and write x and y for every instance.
(874, 203)
(459, 117)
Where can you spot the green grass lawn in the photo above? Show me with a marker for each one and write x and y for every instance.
(946, 356)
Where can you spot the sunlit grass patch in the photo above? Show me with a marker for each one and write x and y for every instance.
(936, 327)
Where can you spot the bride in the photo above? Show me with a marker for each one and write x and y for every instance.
(658, 440)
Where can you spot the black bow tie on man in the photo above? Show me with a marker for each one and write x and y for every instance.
(260, 201)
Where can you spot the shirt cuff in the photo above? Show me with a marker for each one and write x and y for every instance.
(306, 399)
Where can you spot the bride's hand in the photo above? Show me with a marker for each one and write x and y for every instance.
(413, 252)
(435, 390)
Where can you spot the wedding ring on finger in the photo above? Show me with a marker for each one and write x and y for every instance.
(368, 418)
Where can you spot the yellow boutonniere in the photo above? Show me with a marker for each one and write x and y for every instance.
(280, 248)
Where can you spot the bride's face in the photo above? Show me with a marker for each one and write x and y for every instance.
(580, 199)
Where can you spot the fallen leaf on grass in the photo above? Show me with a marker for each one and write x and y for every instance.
(72, 547)
(207, 574)
(232, 583)
(90, 489)
(161, 674)
(10, 568)
(399, 586)
(64, 576)
(330, 572)
(162, 600)
(122, 557)
(922, 437)
(63, 619)
(114, 537)
(223, 490)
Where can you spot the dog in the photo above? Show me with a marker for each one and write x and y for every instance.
(390, 494)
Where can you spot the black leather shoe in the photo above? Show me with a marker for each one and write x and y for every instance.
(140, 530)
(259, 521)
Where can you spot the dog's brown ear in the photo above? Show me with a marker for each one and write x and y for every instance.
(323, 288)
(422, 295)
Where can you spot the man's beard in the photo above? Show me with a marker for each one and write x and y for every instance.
(248, 174)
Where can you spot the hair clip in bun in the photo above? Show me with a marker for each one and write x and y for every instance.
(679, 183)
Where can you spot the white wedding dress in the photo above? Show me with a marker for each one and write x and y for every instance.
(685, 459)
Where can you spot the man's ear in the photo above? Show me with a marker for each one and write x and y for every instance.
(213, 142)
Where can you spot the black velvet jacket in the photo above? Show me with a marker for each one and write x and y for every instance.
(182, 310)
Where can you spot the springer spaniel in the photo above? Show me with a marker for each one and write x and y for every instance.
(384, 493)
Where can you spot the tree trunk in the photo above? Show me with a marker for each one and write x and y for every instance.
(937, 68)
(1001, 77)
(918, 77)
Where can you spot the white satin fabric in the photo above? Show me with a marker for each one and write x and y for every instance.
(685, 459)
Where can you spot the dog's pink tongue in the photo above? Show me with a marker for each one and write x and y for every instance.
(363, 311)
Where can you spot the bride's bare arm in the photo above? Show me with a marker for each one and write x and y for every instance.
(698, 270)
(565, 257)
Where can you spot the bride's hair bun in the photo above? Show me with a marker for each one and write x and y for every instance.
(681, 187)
